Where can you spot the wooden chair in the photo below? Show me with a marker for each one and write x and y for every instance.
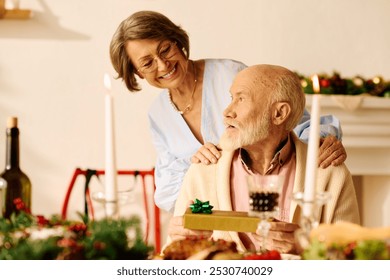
(88, 205)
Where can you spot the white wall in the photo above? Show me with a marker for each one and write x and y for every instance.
(52, 67)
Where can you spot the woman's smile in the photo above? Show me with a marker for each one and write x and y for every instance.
(169, 75)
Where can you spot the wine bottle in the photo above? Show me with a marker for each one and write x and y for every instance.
(3, 186)
(18, 191)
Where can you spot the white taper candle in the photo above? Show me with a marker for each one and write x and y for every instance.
(312, 151)
(110, 157)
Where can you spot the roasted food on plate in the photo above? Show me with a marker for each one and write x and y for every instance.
(198, 248)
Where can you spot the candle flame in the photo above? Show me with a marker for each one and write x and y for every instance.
(107, 82)
(316, 84)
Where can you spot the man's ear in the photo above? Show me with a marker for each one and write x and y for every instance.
(282, 111)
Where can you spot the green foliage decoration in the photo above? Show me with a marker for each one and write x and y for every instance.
(27, 237)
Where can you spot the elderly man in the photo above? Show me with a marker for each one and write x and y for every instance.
(267, 103)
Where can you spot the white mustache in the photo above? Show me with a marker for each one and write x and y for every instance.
(233, 123)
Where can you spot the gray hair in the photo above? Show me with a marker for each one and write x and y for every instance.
(143, 25)
(288, 89)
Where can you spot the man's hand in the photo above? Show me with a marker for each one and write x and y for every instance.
(280, 237)
(331, 152)
(207, 154)
(177, 231)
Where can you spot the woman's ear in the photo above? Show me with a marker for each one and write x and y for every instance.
(282, 111)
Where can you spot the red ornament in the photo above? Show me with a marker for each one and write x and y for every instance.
(78, 228)
(324, 83)
(269, 255)
(42, 221)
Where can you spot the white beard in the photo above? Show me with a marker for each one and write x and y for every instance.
(254, 131)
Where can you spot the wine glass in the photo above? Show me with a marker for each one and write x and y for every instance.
(264, 192)
(307, 223)
(125, 193)
(123, 197)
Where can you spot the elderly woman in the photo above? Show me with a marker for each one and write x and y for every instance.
(186, 119)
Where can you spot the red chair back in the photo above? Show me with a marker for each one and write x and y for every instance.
(89, 210)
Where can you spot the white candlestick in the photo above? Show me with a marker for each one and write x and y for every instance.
(312, 151)
(110, 164)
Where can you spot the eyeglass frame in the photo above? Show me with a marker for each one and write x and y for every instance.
(163, 57)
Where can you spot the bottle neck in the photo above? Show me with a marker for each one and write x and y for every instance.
(12, 151)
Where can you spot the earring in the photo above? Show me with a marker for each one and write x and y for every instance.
(184, 51)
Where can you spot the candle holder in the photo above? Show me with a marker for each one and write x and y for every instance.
(311, 221)
(124, 197)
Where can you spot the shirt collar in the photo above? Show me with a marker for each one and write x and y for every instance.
(280, 157)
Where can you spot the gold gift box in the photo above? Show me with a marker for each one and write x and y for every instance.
(221, 220)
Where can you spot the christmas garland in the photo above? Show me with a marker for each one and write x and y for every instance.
(27, 237)
(336, 84)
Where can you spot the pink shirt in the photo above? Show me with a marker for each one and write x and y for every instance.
(283, 163)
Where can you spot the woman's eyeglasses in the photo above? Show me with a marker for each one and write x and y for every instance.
(166, 52)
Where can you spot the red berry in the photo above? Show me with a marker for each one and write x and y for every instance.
(274, 255)
(269, 255)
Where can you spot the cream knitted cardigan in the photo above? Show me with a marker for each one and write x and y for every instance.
(212, 183)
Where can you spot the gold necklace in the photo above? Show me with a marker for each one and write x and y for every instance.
(189, 105)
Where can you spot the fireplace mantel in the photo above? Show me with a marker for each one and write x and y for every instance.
(365, 122)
